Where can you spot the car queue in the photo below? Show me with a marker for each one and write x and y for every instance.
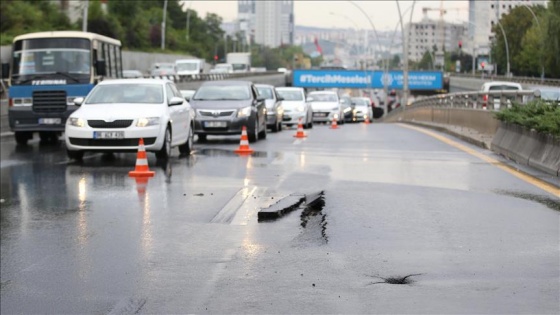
(116, 114)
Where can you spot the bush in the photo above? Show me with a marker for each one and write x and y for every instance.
(539, 115)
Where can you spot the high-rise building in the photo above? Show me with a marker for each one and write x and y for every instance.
(428, 33)
(482, 17)
(270, 23)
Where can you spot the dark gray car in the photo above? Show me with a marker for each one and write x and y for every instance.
(224, 107)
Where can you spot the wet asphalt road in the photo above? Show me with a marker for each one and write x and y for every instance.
(466, 236)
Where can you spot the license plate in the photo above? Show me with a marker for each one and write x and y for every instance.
(108, 134)
(49, 121)
(215, 124)
(320, 114)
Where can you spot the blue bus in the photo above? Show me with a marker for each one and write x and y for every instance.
(47, 71)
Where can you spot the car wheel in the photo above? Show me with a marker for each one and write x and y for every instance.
(275, 126)
(75, 155)
(165, 151)
(253, 135)
(186, 148)
(262, 134)
(22, 137)
(201, 138)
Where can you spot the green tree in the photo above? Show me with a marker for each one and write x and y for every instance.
(552, 52)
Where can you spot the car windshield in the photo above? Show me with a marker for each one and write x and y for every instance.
(323, 97)
(223, 92)
(288, 95)
(359, 102)
(265, 92)
(126, 93)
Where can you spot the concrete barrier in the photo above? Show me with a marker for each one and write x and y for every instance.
(528, 147)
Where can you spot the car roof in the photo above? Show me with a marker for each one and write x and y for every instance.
(135, 81)
(227, 82)
(506, 83)
(265, 85)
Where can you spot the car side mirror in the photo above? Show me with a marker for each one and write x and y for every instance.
(78, 101)
(176, 101)
(5, 70)
(280, 98)
(260, 99)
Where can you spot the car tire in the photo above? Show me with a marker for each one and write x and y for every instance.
(253, 135)
(186, 148)
(75, 155)
(22, 137)
(201, 138)
(275, 126)
(165, 150)
(262, 133)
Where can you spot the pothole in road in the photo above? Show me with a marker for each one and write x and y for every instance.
(553, 204)
(396, 280)
(313, 216)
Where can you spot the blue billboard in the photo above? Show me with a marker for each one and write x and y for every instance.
(362, 79)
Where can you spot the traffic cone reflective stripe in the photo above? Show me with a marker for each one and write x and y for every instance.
(300, 133)
(334, 125)
(244, 143)
(141, 184)
(142, 169)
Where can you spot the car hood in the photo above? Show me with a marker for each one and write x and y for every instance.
(324, 105)
(219, 104)
(292, 104)
(118, 111)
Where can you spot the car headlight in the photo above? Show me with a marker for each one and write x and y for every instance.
(76, 122)
(244, 112)
(22, 101)
(147, 121)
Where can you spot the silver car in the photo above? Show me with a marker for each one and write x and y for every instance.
(274, 108)
(224, 107)
(295, 107)
(326, 106)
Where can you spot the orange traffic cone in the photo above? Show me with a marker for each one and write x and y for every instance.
(142, 169)
(367, 120)
(334, 125)
(244, 143)
(300, 133)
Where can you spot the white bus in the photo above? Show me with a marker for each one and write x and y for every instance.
(47, 71)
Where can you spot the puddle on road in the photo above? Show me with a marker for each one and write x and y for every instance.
(550, 202)
(223, 152)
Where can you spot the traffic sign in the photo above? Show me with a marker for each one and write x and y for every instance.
(360, 79)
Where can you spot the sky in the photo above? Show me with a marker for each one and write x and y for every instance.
(383, 14)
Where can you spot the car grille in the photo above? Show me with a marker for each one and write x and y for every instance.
(49, 101)
(132, 142)
(216, 113)
(122, 123)
(319, 114)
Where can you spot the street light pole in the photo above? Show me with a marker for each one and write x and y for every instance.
(507, 47)
(163, 25)
(405, 54)
(85, 18)
(541, 37)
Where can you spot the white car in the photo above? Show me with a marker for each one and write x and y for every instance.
(295, 107)
(362, 108)
(274, 108)
(326, 106)
(498, 86)
(116, 114)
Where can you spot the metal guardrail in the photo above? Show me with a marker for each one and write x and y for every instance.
(526, 80)
(213, 76)
(492, 100)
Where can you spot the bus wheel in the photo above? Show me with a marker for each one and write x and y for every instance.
(23, 137)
